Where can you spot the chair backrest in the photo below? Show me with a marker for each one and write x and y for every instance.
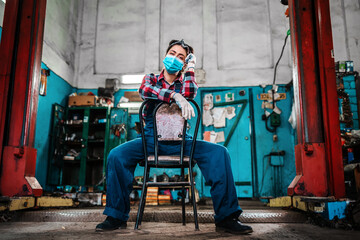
(169, 125)
(169, 122)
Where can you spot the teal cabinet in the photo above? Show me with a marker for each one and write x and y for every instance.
(235, 134)
(80, 145)
(56, 150)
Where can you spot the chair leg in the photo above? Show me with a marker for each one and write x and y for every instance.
(142, 200)
(183, 204)
(183, 196)
(143, 206)
(193, 197)
(146, 179)
(139, 213)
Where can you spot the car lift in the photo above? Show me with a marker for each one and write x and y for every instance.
(318, 155)
(20, 51)
(319, 182)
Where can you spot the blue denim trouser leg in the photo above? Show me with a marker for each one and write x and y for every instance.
(121, 164)
(212, 159)
(215, 165)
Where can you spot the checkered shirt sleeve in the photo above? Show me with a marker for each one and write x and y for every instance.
(189, 86)
(151, 88)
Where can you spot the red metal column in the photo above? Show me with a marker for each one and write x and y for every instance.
(21, 48)
(330, 100)
(318, 152)
(6, 53)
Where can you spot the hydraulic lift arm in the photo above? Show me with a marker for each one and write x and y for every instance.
(318, 155)
(20, 51)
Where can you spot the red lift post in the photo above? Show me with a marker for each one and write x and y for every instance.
(318, 155)
(20, 51)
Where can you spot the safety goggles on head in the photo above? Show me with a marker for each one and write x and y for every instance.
(182, 44)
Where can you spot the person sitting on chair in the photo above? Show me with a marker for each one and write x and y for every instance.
(212, 159)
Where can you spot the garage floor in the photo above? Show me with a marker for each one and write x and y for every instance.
(156, 230)
(163, 223)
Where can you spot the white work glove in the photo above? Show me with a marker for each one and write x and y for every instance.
(190, 60)
(187, 110)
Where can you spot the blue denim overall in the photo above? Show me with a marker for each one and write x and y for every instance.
(212, 159)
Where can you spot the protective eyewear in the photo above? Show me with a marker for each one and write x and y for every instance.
(182, 44)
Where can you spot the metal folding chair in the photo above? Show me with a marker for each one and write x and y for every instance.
(169, 125)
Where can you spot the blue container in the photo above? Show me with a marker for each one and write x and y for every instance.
(352, 84)
(353, 100)
(355, 116)
(347, 85)
(102, 120)
(355, 124)
(353, 107)
(350, 157)
(351, 92)
(333, 209)
(349, 78)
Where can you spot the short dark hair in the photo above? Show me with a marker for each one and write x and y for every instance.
(181, 42)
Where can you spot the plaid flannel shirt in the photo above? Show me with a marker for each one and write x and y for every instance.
(156, 87)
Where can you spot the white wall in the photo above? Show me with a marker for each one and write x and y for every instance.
(345, 20)
(2, 8)
(236, 42)
(60, 37)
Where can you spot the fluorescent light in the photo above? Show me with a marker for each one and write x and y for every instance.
(129, 105)
(131, 79)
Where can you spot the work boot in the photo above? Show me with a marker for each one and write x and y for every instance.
(232, 225)
(110, 224)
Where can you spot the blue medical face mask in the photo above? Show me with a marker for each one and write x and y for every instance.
(172, 64)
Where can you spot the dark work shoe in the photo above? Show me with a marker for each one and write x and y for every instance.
(110, 224)
(233, 225)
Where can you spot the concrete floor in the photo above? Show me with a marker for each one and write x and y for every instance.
(159, 231)
(79, 223)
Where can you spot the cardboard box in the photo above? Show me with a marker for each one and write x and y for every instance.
(152, 196)
(82, 100)
(133, 96)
